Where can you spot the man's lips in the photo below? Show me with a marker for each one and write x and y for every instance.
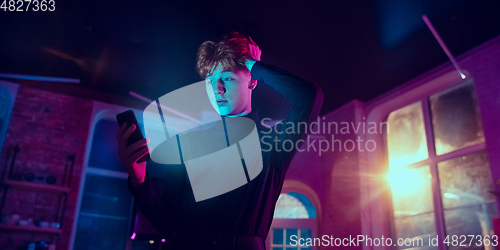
(221, 101)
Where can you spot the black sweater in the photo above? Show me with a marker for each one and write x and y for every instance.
(247, 210)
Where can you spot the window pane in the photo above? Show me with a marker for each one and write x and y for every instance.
(406, 141)
(417, 228)
(106, 196)
(411, 191)
(104, 213)
(305, 233)
(466, 180)
(289, 233)
(294, 205)
(475, 220)
(104, 146)
(278, 236)
(310, 211)
(413, 205)
(455, 118)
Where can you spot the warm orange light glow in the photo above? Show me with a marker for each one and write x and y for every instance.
(406, 141)
(397, 161)
(404, 181)
(411, 190)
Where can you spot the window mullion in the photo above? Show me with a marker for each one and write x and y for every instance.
(460, 152)
(436, 190)
(284, 238)
(429, 135)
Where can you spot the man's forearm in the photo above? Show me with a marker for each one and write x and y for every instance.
(136, 182)
(289, 85)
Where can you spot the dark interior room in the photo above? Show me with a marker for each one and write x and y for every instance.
(400, 102)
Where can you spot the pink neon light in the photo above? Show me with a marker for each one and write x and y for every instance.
(443, 45)
(133, 236)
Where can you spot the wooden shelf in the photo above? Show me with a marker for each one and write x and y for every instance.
(36, 186)
(32, 229)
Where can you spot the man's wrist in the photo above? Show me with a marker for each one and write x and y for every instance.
(135, 182)
(250, 64)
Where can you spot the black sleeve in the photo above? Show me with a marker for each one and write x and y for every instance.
(305, 100)
(158, 207)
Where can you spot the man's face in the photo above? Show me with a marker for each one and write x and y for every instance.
(233, 91)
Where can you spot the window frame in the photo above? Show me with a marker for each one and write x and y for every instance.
(375, 220)
(432, 162)
(8, 91)
(100, 111)
(310, 223)
(313, 223)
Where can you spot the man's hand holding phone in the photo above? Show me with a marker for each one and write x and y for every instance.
(130, 155)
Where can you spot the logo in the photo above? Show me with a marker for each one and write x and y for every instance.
(220, 153)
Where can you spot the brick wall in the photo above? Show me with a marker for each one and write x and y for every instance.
(334, 175)
(47, 126)
(483, 65)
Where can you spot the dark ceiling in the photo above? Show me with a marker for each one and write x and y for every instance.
(352, 49)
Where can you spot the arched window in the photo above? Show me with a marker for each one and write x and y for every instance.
(294, 223)
(104, 212)
(104, 208)
(8, 92)
(294, 206)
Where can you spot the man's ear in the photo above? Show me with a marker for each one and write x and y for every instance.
(252, 84)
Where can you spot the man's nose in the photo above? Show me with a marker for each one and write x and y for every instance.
(219, 88)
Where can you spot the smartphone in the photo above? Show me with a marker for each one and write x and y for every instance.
(129, 118)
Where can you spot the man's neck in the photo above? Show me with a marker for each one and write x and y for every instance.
(244, 113)
(252, 115)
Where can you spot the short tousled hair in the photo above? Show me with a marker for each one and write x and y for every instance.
(231, 52)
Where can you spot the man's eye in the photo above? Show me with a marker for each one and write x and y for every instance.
(227, 79)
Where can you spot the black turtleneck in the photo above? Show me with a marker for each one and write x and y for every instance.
(247, 210)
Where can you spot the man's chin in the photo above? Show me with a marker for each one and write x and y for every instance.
(223, 111)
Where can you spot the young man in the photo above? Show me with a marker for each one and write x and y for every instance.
(239, 219)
